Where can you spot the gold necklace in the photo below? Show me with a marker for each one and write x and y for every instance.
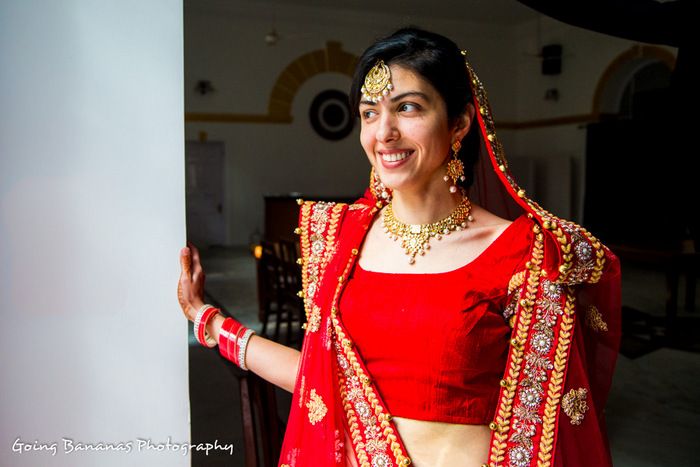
(415, 238)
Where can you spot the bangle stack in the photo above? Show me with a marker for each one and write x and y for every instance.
(233, 336)
(233, 341)
(204, 315)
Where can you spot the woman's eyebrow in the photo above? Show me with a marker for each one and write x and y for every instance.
(422, 95)
(410, 94)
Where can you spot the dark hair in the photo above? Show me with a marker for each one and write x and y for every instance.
(439, 61)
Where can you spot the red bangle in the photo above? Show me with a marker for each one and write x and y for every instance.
(203, 336)
(227, 338)
(203, 317)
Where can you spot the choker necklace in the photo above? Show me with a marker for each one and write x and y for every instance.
(415, 238)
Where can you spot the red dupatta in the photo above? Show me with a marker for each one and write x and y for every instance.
(565, 315)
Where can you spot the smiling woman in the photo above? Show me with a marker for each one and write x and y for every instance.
(470, 342)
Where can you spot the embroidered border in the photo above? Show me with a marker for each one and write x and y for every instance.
(373, 435)
(318, 226)
(586, 262)
(556, 381)
(502, 423)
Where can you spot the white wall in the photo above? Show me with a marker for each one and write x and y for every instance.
(93, 343)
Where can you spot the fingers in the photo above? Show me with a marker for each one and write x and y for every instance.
(186, 261)
(191, 283)
(197, 271)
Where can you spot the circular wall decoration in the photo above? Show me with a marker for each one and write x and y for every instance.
(330, 115)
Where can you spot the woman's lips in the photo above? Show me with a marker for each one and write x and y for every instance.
(394, 159)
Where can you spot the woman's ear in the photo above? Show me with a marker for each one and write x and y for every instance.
(464, 123)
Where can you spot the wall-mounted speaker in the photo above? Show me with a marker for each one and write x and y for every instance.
(551, 59)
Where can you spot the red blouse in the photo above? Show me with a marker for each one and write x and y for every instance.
(436, 344)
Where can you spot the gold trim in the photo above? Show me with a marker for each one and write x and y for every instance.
(556, 382)
(314, 320)
(501, 425)
(516, 281)
(354, 370)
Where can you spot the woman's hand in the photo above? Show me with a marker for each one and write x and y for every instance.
(190, 288)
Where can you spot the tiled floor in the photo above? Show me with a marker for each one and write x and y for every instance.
(653, 412)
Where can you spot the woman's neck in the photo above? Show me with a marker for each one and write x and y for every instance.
(425, 207)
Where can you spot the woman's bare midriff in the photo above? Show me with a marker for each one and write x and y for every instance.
(437, 444)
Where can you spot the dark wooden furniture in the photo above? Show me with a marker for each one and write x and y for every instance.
(677, 332)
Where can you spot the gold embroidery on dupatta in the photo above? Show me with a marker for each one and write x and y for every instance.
(594, 319)
(301, 391)
(371, 431)
(317, 409)
(587, 260)
(574, 405)
(314, 320)
(318, 226)
(556, 381)
(501, 425)
(516, 281)
(515, 286)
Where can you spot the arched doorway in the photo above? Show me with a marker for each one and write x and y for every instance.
(628, 162)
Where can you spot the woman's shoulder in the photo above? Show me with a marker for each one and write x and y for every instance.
(519, 228)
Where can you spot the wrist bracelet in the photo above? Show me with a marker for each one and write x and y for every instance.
(204, 315)
(243, 347)
(236, 345)
(233, 341)
(227, 338)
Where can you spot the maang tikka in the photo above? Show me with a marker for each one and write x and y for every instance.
(455, 168)
(377, 83)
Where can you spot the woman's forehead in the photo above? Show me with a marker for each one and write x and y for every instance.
(405, 77)
(405, 80)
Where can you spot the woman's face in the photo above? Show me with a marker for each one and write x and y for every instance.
(406, 136)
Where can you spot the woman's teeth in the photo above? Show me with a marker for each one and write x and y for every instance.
(395, 156)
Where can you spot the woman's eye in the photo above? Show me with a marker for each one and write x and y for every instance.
(368, 113)
(408, 107)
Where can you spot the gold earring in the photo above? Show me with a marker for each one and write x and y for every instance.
(455, 168)
(380, 192)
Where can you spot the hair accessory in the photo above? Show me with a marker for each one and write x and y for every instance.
(380, 192)
(377, 82)
(455, 168)
(204, 315)
(415, 238)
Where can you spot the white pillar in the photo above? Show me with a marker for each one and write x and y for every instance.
(93, 348)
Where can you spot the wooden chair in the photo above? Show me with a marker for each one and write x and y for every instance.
(262, 428)
(279, 280)
(263, 431)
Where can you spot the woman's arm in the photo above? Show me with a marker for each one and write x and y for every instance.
(273, 362)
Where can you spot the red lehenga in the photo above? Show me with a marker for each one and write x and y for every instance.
(565, 319)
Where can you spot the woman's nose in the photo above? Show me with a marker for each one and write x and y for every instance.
(388, 130)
